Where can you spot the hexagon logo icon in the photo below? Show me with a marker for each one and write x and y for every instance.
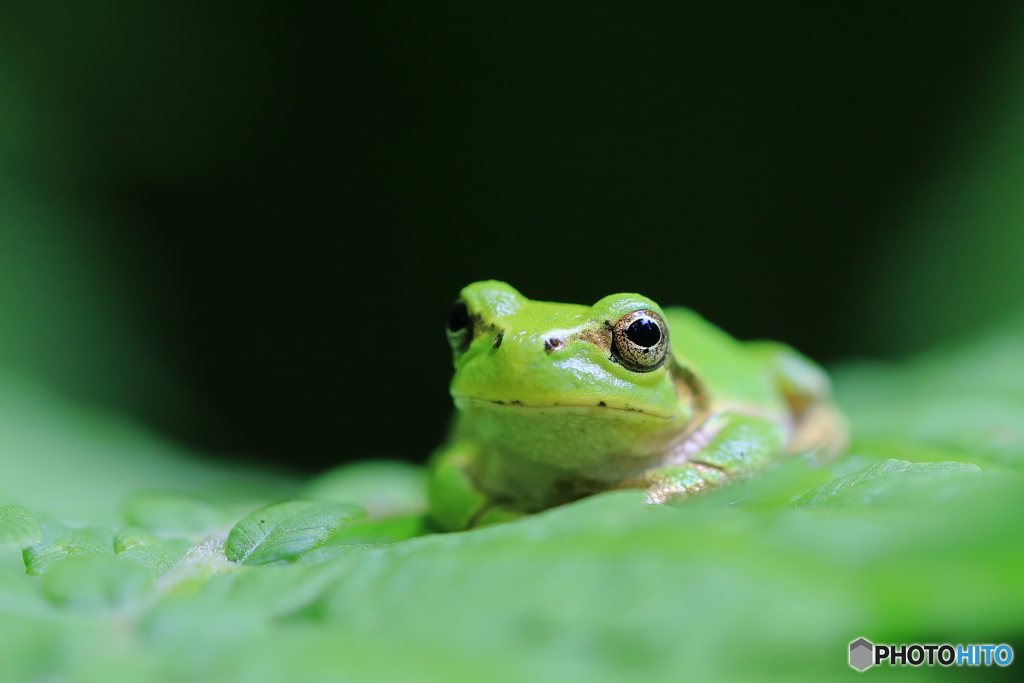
(861, 652)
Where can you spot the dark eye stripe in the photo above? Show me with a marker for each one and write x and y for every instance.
(458, 318)
(460, 327)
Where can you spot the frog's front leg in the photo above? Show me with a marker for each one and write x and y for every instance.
(725, 447)
(455, 501)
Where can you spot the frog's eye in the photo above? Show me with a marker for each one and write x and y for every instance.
(640, 341)
(460, 326)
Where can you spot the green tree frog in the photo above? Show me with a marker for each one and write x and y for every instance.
(559, 401)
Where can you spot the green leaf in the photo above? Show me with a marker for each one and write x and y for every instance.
(284, 531)
(384, 488)
(172, 513)
(144, 547)
(18, 528)
(883, 481)
(60, 542)
(95, 582)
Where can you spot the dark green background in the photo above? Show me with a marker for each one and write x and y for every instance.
(245, 221)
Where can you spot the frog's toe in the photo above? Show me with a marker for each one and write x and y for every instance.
(678, 481)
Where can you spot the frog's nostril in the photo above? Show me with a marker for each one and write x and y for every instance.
(554, 344)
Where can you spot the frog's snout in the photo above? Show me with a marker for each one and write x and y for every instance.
(550, 344)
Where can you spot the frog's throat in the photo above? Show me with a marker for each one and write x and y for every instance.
(463, 402)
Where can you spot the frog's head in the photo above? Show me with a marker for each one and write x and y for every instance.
(512, 353)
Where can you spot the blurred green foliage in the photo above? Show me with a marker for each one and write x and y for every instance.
(952, 261)
(66, 314)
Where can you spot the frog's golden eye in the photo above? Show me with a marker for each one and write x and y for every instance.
(460, 326)
(640, 341)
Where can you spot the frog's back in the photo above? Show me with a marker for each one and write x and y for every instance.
(735, 376)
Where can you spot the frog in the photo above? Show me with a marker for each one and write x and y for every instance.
(556, 402)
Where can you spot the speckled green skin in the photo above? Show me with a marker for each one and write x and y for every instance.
(546, 415)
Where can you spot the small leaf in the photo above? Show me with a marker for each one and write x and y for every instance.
(95, 582)
(882, 481)
(283, 531)
(142, 546)
(18, 528)
(172, 513)
(384, 488)
(60, 542)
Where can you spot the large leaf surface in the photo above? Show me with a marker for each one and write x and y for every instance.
(917, 535)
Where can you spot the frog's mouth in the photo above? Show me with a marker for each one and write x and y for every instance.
(463, 402)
